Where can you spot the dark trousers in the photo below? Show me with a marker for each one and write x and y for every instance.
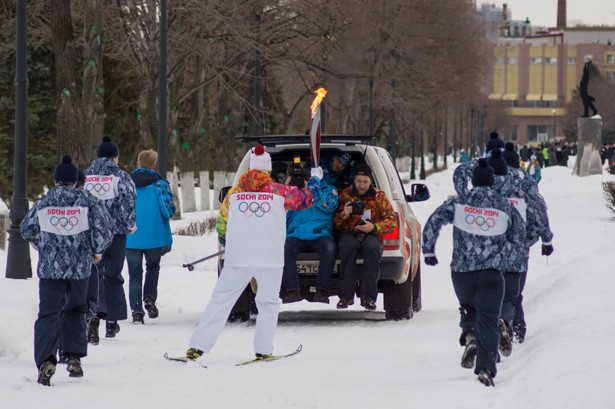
(111, 296)
(324, 246)
(371, 248)
(61, 315)
(480, 295)
(92, 297)
(137, 289)
(511, 295)
(519, 327)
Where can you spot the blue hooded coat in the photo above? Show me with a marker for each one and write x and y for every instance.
(155, 207)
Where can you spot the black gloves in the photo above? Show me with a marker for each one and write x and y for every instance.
(431, 260)
(547, 249)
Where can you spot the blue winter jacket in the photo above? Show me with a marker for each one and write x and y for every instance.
(474, 251)
(155, 207)
(68, 253)
(316, 221)
(122, 206)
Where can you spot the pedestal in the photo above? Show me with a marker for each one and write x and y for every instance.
(589, 141)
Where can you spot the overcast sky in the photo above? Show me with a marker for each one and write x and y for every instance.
(543, 13)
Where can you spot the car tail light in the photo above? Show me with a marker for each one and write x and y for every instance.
(390, 241)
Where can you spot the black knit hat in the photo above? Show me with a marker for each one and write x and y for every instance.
(107, 149)
(511, 156)
(81, 178)
(494, 142)
(66, 172)
(482, 175)
(498, 163)
(363, 170)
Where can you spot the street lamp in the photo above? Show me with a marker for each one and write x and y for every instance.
(162, 92)
(554, 123)
(18, 257)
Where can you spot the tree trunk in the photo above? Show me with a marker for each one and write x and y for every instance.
(69, 107)
(93, 86)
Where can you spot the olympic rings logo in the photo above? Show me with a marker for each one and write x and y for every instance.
(64, 223)
(254, 209)
(480, 222)
(99, 189)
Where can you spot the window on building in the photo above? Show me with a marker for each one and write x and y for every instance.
(511, 104)
(513, 61)
(534, 104)
(610, 58)
(572, 60)
(538, 133)
(550, 60)
(610, 75)
(513, 134)
(500, 60)
(536, 60)
(550, 104)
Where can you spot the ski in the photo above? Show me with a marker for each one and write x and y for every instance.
(271, 358)
(181, 359)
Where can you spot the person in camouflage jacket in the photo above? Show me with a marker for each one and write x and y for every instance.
(523, 194)
(484, 226)
(105, 180)
(69, 228)
(361, 232)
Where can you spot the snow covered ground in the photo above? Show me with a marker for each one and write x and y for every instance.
(351, 358)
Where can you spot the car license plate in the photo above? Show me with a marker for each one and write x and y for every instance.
(307, 268)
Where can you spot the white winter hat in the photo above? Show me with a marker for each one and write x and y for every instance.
(260, 160)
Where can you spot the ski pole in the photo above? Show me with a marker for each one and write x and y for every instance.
(190, 266)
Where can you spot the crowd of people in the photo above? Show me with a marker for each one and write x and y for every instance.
(92, 221)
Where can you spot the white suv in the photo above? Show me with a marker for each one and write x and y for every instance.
(400, 276)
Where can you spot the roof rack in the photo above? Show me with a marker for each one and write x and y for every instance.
(276, 140)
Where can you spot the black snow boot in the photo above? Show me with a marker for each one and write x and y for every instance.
(150, 307)
(93, 331)
(506, 339)
(469, 354)
(74, 367)
(45, 372)
(112, 328)
(485, 378)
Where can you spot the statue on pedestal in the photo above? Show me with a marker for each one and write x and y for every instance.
(588, 100)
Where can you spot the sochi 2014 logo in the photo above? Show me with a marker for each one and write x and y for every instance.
(254, 208)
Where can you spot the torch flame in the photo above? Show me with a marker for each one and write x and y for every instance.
(320, 95)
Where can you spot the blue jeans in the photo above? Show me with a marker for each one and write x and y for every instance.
(136, 293)
(480, 295)
(61, 319)
(324, 246)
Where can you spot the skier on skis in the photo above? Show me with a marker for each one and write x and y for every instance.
(252, 227)
(484, 225)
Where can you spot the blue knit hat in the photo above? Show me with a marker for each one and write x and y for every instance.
(107, 149)
(66, 172)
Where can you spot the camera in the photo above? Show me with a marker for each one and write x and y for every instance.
(357, 207)
(297, 177)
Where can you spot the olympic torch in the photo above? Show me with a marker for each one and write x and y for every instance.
(315, 126)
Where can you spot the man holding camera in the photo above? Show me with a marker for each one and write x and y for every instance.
(363, 215)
